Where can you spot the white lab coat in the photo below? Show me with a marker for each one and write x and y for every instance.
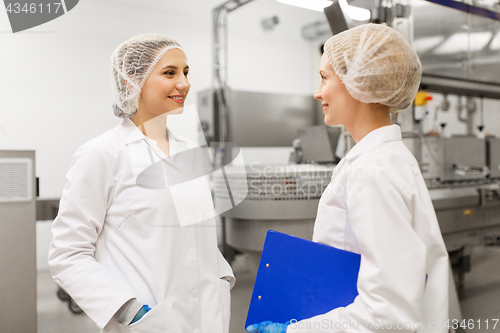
(113, 241)
(377, 205)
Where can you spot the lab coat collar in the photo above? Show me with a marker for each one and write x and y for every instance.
(129, 133)
(382, 134)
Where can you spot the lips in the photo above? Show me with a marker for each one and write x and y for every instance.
(178, 98)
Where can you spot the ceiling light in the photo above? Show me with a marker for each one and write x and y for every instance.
(355, 13)
(316, 5)
(495, 43)
(358, 14)
(459, 42)
(425, 44)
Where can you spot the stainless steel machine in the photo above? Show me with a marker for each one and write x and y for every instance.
(17, 242)
(465, 190)
(281, 198)
(279, 117)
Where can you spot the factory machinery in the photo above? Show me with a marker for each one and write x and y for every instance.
(281, 198)
(462, 174)
(463, 177)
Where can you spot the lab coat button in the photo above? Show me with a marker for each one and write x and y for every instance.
(194, 293)
(189, 212)
(192, 253)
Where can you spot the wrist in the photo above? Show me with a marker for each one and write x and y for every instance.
(285, 326)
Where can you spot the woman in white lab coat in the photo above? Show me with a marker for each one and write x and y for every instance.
(125, 240)
(377, 203)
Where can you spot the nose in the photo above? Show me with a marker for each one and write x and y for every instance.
(183, 84)
(317, 94)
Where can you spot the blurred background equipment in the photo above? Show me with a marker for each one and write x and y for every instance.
(17, 241)
(282, 198)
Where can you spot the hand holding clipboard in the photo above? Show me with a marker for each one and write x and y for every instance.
(299, 279)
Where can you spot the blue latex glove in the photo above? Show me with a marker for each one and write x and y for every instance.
(268, 327)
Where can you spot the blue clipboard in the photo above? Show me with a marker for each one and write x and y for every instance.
(300, 279)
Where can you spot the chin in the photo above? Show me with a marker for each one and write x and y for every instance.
(329, 122)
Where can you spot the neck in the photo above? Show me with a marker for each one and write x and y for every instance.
(368, 117)
(154, 128)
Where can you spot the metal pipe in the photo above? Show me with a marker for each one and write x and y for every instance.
(470, 9)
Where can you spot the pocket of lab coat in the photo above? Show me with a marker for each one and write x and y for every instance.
(329, 227)
(154, 321)
(225, 304)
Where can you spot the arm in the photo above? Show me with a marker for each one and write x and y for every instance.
(391, 278)
(85, 200)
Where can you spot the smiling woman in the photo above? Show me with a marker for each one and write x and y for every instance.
(141, 59)
(166, 88)
(368, 72)
(118, 247)
(162, 94)
(384, 211)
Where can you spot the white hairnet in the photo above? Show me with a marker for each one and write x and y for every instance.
(132, 62)
(376, 64)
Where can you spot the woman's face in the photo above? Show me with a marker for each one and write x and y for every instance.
(338, 105)
(166, 88)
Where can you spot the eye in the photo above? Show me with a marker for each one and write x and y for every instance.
(169, 73)
(186, 73)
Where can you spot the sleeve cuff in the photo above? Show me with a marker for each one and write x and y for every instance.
(127, 312)
(231, 280)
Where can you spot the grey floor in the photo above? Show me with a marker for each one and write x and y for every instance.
(481, 299)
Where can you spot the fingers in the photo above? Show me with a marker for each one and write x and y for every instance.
(253, 328)
(264, 327)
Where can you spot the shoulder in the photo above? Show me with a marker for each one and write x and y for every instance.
(101, 147)
(390, 163)
(395, 156)
(392, 155)
(107, 139)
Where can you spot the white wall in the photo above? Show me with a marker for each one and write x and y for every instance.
(279, 60)
(54, 81)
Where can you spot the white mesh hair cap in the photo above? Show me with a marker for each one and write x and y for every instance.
(132, 62)
(376, 64)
